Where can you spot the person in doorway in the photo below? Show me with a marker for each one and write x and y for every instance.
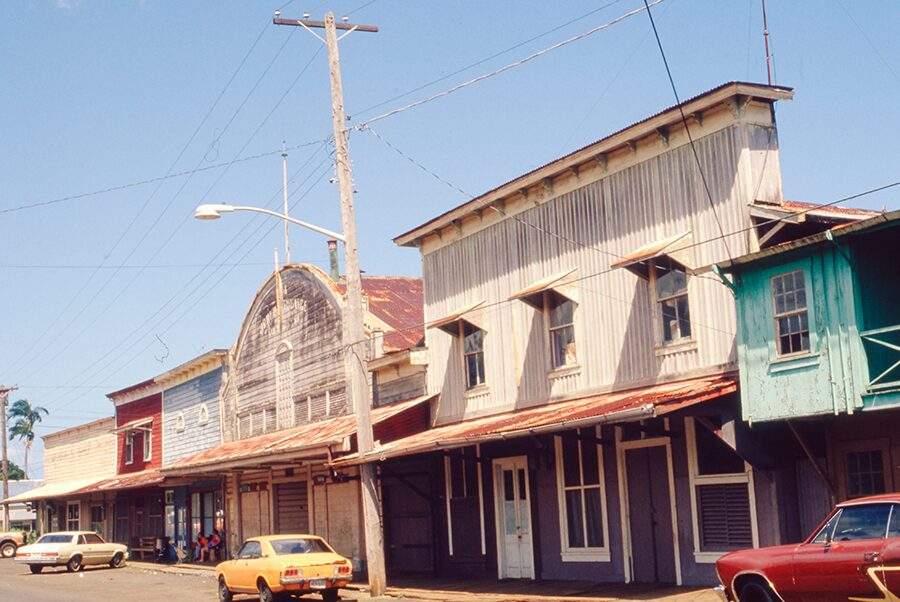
(214, 545)
(200, 549)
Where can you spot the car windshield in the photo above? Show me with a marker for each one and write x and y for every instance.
(298, 546)
(55, 538)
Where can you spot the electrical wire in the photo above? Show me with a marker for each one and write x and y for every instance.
(504, 69)
(687, 129)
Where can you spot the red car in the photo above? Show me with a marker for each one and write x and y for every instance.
(854, 555)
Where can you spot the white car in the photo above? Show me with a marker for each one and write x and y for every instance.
(74, 549)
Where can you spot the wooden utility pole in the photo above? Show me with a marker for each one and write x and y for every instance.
(4, 402)
(353, 329)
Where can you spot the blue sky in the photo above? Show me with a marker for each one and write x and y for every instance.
(108, 94)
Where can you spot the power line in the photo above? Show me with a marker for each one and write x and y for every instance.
(130, 266)
(687, 130)
(496, 72)
(484, 60)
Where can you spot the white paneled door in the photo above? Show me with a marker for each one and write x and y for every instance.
(515, 552)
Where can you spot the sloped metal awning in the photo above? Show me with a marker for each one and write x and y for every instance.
(534, 293)
(50, 490)
(638, 261)
(306, 441)
(450, 323)
(134, 480)
(141, 425)
(618, 407)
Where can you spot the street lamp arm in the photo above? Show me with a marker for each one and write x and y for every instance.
(213, 211)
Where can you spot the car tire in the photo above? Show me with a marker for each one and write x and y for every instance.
(118, 561)
(265, 592)
(8, 549)
(330, 595)
(35, 568)
(225, 594)
(74, 565)
(756, 592)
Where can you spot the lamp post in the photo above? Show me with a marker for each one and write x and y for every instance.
(210, 212)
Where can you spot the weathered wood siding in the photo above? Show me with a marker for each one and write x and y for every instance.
(587, 225)
(148, 407)
(309, 321)
(82, 453)
(186, 400)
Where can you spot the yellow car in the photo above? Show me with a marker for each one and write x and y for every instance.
(278, 566)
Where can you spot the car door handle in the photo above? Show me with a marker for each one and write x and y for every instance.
(871, 556)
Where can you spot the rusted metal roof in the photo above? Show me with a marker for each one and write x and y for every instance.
(398, 302)
(450, 323)
(699, 103)
(620, 406)
(308, 439)
(50, 490)
(815, 212)
(134, 480)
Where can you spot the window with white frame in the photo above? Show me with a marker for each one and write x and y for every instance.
(129, 448)
(560, 312)
(791, 313)
(284, 387)
(148, 444)
(865, 472)
(669, 281)
(473, 353)
(73, 516)
(724, 518)
(179, 422)
(203, 417)
(582, 498)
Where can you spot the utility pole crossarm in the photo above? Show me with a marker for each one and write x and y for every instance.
(321, 25)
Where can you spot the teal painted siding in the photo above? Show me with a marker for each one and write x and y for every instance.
(852, 286)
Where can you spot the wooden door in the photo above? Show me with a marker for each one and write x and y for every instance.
(650, 515)
(514, 522)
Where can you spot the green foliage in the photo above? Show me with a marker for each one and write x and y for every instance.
(15, 471)
(24, 416)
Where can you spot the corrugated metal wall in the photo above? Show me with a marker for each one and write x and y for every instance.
(615, 328)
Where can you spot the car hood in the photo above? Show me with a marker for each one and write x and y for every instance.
(757, 557)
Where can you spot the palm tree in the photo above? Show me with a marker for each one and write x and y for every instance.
(24, 416)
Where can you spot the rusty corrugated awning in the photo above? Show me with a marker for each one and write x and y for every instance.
(305, 441)
(450, 323)
(134, 480)
(533, 294)
(637, 260)
(50, 490)
(620, 406)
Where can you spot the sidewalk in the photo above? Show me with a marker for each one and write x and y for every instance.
(441, 590)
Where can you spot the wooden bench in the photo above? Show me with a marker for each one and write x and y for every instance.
(145, 545)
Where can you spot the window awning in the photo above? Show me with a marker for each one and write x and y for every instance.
(305, 441)
(134, 480)
(676, 247)
(50, 490)
(618, 407)
(450, 323)
(141, 424)
(534, 294)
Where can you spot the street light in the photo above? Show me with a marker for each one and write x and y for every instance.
(214, 211)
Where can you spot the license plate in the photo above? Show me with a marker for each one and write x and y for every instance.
(317, 584)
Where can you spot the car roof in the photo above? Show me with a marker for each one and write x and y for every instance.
(282, 536)
(883, 498)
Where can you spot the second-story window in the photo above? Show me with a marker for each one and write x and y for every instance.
(129, 448)
(561, 326)
(148, 444)
(790, 312)
(473, 353)
(669, 281)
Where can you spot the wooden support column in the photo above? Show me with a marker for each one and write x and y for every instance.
(271, 504)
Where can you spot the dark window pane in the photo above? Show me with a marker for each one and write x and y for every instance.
(574, 519)
(593, 511)
(560, 308)
(865, 473)
(474, 370)
(670, 278)
(589, 460)
(523, 493)
(563, 342)
(473, 338)
(862, 522)
(571, 474)
(509, 493)
(684, 318)
(894, 528)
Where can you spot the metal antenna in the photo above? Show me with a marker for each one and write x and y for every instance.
(766, 37)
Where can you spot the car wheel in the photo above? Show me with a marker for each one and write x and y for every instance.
(756, 592)
(330, 595)
(225, 594)
(74, 565)
(35, 568)
(265, 592)
(8, 550)
(117, 561)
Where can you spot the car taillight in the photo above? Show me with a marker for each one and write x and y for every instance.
(342, 568)
(293, 572)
